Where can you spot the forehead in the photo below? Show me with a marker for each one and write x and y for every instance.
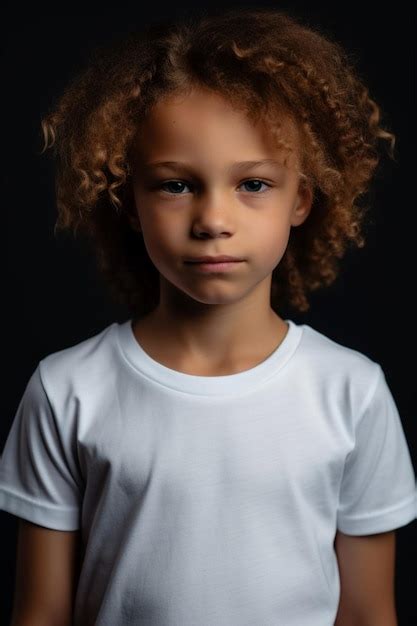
(201, 117)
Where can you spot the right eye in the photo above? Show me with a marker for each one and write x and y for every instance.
(171, 182)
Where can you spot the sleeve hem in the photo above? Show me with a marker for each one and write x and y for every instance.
(383, 521)
(54, 518)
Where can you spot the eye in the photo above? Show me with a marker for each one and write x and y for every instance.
(179, 182)
(171, 183)
(256, 181)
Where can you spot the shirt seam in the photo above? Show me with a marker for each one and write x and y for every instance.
(36, 503)
(380, 512)
(370, 395)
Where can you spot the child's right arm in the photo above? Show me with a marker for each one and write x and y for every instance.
(42, 485)
(47, 570)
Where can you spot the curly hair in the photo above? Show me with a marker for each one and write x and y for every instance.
(266, 63)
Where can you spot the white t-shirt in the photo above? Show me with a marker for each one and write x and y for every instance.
(208, 501)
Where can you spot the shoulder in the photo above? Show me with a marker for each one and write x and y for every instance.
(339, 371)
(326, 351)
(322, 345)
(79, 366)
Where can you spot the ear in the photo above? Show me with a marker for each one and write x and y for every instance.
(303, 203)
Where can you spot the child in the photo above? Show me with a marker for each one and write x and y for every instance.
(215, 464)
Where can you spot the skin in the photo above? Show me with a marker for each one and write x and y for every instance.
(213, 323)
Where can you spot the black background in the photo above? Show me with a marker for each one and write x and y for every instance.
(55, 297)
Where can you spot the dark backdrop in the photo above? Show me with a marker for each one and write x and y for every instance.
(56, 298)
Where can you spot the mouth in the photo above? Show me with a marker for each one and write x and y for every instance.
(223, 258)
(211, 266)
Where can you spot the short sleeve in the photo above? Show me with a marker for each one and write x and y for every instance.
(39, 480)
(378, 487)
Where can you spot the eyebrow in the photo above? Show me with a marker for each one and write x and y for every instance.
(239, 165)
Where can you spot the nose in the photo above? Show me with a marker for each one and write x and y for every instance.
(213, 215)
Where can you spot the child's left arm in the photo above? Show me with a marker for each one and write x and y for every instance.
(366, 570)
(377, 495)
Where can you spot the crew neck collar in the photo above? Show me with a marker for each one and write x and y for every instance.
(229, 384)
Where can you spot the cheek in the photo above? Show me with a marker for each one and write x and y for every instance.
(163, 237)
(274, 235)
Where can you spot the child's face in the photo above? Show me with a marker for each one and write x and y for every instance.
(212, 207)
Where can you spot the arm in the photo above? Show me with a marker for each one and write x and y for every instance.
(366, 569)
(47, 572)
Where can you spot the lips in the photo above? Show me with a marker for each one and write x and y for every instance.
(214, 259)
(215, 268)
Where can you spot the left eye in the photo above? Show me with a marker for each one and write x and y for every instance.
(246, 182)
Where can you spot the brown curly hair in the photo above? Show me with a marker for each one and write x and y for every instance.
(266, 63)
